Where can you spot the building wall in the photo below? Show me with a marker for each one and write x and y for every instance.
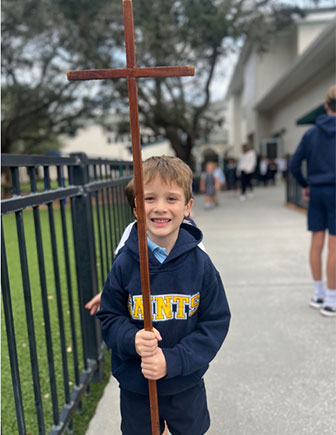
(285, 115)
(307, 31)
(235, 124)
(249, 94)
(271, 66)
(93, 141)
(256, 75)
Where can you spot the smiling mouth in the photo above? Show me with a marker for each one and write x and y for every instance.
(160, 221)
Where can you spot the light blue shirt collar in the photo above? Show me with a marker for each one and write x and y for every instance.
(159, 253)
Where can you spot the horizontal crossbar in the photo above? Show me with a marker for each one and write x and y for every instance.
(159, 71)
(18, 203)
(34, 199)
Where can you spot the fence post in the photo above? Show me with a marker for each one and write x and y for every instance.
(85, 253)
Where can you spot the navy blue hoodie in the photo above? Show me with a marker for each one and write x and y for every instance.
(189, 309)
(318, 147)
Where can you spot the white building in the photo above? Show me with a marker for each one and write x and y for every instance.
(95, 141)
(272, 94)
(217, 142)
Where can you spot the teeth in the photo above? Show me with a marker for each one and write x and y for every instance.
(161, 220)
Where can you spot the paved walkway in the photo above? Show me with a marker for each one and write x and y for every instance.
(275, 374)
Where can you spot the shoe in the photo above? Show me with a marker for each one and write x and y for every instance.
(328, 311)
(316, 304)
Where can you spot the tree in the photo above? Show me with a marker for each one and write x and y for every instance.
(44, 38)
(199, 33)
(38, 104)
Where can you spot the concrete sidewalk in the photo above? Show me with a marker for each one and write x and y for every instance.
(275, 374)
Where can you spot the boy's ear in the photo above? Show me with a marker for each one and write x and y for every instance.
(188, 207)
(134, 209)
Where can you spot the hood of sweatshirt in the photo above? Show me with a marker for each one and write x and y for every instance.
(327, 124)
(188, 238)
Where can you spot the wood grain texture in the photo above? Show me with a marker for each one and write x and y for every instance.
(158, 71)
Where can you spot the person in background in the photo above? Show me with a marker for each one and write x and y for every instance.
(218, 173)
(282, 166)
(272, 171)
(210, 185)
(231, 174)
(263, 170)
(246, 167)
(317, 148)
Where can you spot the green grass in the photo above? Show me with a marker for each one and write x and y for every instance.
(7, 403)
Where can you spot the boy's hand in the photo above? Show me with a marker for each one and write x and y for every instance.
(94, 304)
(154, 367)
(146, 342)
(306, 193)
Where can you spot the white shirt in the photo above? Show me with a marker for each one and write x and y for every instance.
(247, 161)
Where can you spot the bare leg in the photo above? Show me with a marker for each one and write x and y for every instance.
(315, 256)
(331, 262)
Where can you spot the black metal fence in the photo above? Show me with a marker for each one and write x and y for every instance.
(62, 218)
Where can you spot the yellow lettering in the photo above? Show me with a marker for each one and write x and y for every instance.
(194, 303)
(129, 304)
(163, 307)
(180, 305)
(138, 312)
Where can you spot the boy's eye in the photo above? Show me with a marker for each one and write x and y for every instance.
(171, 199)
(149, 198)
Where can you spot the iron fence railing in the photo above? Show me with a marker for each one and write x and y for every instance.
(62, 218)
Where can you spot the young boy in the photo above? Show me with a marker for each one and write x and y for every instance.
(317, 147)
(189, 308)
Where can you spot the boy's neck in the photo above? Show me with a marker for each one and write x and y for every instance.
(166, 244)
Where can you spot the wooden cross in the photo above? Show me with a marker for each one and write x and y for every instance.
(131, 73)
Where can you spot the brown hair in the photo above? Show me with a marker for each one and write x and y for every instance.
(129, 191)
(169, 169)
(330, 98)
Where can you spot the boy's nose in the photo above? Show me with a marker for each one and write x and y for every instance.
(160, 206)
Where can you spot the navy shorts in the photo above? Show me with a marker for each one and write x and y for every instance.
(322, 208)
(186, 413)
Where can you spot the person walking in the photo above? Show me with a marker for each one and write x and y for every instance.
(317, 148)
(246, 166)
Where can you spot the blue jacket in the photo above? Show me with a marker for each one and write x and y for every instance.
(189, 308)
(318, 147)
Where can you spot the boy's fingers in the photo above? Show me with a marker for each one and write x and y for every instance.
(148, 335)
(157, 334)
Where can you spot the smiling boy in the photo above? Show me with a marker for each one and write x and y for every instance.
(190, 311)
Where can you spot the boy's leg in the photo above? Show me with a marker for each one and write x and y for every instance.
(315, 260)
(329, 305)
(249, 181)
(243, 185)
(186, 413)
(315, 254)
(331, 262)
(135, 414)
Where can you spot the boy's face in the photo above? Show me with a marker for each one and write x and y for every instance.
(165, 208)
